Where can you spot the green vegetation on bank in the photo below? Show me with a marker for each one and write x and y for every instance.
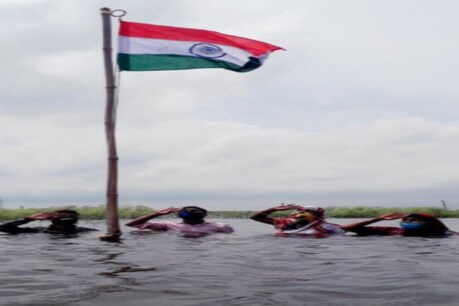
(130, 212)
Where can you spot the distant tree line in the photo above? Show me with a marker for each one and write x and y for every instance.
(130, 212)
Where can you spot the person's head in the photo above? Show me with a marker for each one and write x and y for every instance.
(65, 218)
(192, 214)
(306, 215)
(309, 213)
(422, 224)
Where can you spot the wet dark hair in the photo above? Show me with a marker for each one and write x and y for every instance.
(72, 218)
(434, 227)
(319, 212)
(68, 211)
(185, 208)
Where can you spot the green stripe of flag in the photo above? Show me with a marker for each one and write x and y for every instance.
(146, 62)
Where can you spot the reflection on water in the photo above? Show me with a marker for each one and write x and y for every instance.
(250, 267)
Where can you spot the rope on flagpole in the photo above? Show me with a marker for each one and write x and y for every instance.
(118, 13)
(117, 94)
(115, 13)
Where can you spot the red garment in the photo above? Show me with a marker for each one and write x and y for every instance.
(321, 227)
(381, 231)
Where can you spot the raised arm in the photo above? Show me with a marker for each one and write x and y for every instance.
(13, 226)
(263, 216)
(361, 227)
(156, 214)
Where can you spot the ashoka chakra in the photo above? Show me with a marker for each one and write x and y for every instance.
(207, 50)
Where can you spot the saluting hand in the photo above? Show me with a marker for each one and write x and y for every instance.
(167, 211)
(286, 207)
(393, 216)
(42, 216)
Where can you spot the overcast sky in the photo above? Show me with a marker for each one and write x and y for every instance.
(362, 108)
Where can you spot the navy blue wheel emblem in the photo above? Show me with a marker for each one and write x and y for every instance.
(207, 50)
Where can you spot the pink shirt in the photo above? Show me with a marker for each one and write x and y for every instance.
(204, 228)
(320, 227)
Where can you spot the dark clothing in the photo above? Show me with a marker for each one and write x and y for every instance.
(13, 228)
(397, 231)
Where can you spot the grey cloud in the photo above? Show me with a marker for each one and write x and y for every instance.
(359, 109)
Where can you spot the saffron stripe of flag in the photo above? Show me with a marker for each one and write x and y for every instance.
(144, 47)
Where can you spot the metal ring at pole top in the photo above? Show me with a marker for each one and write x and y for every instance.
(118, 13)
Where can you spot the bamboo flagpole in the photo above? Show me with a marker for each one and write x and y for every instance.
(147, 47)
(113, 229)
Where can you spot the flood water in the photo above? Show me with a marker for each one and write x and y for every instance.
(250, 267)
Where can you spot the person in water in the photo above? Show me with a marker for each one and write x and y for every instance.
(411, 224)
(193, 222)
(303, 221)
(62, 222)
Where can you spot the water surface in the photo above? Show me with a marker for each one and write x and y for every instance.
(250, 267)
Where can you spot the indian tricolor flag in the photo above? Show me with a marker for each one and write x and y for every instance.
(145, 47)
